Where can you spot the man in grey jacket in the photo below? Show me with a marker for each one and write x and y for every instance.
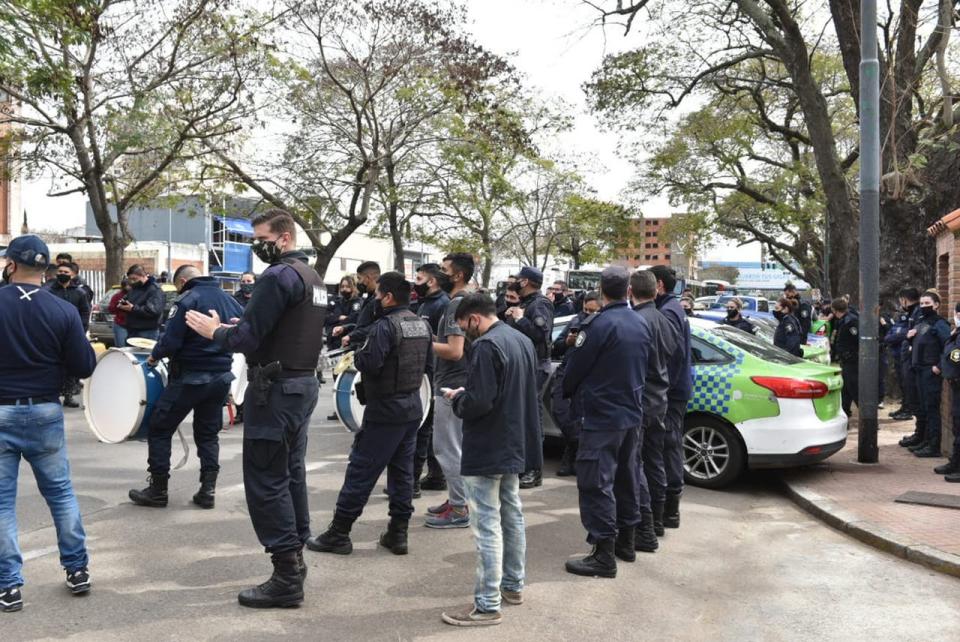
(498, 407)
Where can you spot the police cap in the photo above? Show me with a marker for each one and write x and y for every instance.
(531, 274)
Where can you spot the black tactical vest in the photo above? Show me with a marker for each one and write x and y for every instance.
(926, 344)
(404, 367)
(297, 338)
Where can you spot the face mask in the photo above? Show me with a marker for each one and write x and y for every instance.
(779, 315)
(445, 283)
(927, 310)
(63, 279)
(422, 289)
(266, 251)
(688, 311)
(361, 287)
(732, 314)
(345, 294)
(247, 288)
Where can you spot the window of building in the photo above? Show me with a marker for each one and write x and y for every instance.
(667, 256)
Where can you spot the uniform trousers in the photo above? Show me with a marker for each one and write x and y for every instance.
(673, 445)
(607, 481)
(178, 399)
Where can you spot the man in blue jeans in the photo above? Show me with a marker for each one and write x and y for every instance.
(41, 341)
(499, 408)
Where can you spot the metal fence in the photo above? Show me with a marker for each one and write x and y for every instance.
(97, 280)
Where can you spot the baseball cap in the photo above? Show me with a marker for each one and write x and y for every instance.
(28, 250)
(532, 274)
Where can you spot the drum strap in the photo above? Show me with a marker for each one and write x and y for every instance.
(186, 450)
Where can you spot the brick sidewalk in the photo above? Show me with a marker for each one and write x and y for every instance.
(858, 499)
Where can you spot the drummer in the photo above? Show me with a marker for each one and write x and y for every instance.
(199, 380)
(393, 361)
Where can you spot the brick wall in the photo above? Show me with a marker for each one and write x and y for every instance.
(948, 286)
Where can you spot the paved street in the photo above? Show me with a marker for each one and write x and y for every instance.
(747, 565)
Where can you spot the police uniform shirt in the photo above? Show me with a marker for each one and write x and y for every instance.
(537, 323)
(397, 408)
(950, 359)
(932, 333)
(788, 335)
(847, 342)
(681, 374)
(805, 317)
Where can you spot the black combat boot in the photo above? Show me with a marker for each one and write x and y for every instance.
(531, 479)
(671, 511)
(154, 495)
(599, 563)
(284, 588)
(623, 547)
(395, 537)
(657, 508)
(646, 539)
(301, 564)
(204, 498)
(952, 466)
(911, 440)
(568, 460)
(929, 450)
(336, 539)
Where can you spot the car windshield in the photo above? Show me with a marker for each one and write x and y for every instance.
(755, 345)
(748, 303)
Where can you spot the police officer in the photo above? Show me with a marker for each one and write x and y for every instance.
(199, 380)
(789, 336)
(652, 475)
(803, 310)
(950, 370)
(911, 393)
(432, 302)
(248, 281)
(534, 318)
(846, 348)
(607, 371)
(279, 336)
(41, 340)
(681, 389)
(894, 340)
(392, 363)
(343, 312)
(567, 413)
(735, 318)
(927, 338)
(368, 273)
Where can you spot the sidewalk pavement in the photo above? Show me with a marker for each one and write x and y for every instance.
(858, 499)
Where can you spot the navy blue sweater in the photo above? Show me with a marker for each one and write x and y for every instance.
(41, 342)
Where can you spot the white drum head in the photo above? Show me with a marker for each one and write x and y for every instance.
(426, 397)
(141, 343)
(238, 387)
(115, 396)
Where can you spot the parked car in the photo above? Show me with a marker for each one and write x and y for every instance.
(704, 302)
(816, 348)
(750, 303)
(754, 406)
(101, 321)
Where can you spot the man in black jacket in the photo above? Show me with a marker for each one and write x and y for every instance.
(66, 288)
(499, 407)
(143, 304)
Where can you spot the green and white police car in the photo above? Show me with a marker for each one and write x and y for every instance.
(754, 406)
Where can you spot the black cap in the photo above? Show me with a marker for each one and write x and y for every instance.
(531, 274)
(29, 250)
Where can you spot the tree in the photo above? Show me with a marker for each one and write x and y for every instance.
(592, 229)
(117, 96)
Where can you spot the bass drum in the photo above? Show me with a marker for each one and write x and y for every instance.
(121, 393)
(238, 387)
(349, 409)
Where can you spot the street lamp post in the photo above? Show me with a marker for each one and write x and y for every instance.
(869, 232)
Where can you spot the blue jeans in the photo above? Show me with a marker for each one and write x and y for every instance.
(35, 432)
(496, 519)
(119, 335)
(143, 334)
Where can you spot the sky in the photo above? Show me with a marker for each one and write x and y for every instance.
(557, 45)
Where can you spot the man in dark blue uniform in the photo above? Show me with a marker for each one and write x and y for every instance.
(432, 303)
(894, 339)
(280, 337)
(681, 389)
(567, 413)
(607, 370)
(534, 318)
(950, 370)
(910, 298)
(144, 305)
(652, 474)
(199, 380)
(927, 338)
(392, 363)
(41, 340)
(846, 348)
(368, 273)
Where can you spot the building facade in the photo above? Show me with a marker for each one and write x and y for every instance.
(9, 184)
(648, 249)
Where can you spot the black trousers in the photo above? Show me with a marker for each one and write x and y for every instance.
(931, 388)
(955, 411)
(850, 393)
(654, 488)
(376, 447)
(911, 396)
(177, 400)
(607, 481)
(673, 445)
(274, 471)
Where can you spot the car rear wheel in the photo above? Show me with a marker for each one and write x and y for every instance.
(712, 454)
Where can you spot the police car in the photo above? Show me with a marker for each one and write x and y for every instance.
(754, 406)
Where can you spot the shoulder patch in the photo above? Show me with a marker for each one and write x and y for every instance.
(955, 355)
(540, 322)
(356, 306)
(854, 331)
(173, 311)
(581, 338)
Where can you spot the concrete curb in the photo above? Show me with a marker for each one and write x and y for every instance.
(869, 533)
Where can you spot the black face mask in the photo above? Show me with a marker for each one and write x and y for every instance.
(63, 279)
(688, 311)
(422, 289)
(445, 283)
(247, 288)
(361, 287)
(266, 251)
(927, 311)
(345, 294)
(779, 314)
(732, 314)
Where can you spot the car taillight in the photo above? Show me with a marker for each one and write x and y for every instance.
(787, 388)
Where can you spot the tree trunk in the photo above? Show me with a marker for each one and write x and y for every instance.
(396, 233)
